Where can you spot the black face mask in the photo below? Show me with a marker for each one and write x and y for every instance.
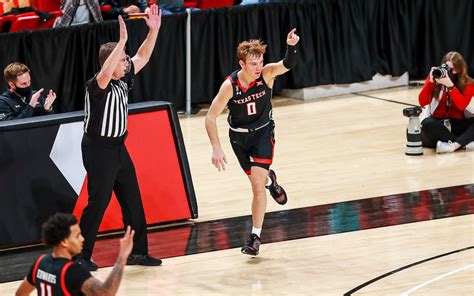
(23, 91)
(455, 78)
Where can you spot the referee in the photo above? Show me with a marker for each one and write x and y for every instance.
(105, 156)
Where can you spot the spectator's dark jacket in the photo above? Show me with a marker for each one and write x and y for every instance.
(14, 107)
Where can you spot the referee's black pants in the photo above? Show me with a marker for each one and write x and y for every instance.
(109, 167)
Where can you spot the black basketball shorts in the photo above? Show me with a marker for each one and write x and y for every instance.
(254, 148)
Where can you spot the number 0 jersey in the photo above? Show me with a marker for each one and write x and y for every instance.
(252, 107)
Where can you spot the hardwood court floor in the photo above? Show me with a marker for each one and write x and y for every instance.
(326, 265)
(333, 150)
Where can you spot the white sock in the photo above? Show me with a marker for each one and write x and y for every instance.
(269, 181)
(256, 231)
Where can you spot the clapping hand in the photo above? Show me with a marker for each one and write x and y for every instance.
(35, 97)
(48, 102)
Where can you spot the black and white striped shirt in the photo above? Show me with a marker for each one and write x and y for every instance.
(106, 110)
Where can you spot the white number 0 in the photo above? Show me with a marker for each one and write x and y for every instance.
(251, 108)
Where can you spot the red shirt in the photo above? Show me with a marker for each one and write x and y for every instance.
(459, 100)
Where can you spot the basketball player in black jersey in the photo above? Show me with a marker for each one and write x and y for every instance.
(247, 93)
(56, 274)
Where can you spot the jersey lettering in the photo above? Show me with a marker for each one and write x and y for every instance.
(46, 276)
(251, 97)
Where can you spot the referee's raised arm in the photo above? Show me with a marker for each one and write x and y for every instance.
(143, 55)
(108, 68)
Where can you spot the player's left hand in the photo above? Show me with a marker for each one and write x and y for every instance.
(218, 159)
(292, 38)
(153, 20)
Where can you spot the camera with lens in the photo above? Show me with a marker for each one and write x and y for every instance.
(442, 71)
(412, 111)
(414, 145)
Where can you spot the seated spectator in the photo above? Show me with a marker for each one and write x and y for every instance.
(173, 6)
(123, 8)
(5, 7)
(78, 12)
(20, 101)
(248, 2)
(19, 7)
(445, 97)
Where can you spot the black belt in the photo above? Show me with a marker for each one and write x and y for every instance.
(111, 140)
(247, 130)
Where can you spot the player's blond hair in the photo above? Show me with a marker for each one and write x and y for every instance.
(249, 48)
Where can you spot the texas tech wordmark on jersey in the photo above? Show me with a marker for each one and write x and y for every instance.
(249, 108)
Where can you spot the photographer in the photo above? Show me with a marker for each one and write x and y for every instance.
(446, 94)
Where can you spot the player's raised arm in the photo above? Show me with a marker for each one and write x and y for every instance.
(93, 286)
(272, 70)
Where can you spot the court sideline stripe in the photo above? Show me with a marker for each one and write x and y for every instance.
(426, 283)
(382, 99)
(403, 268)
